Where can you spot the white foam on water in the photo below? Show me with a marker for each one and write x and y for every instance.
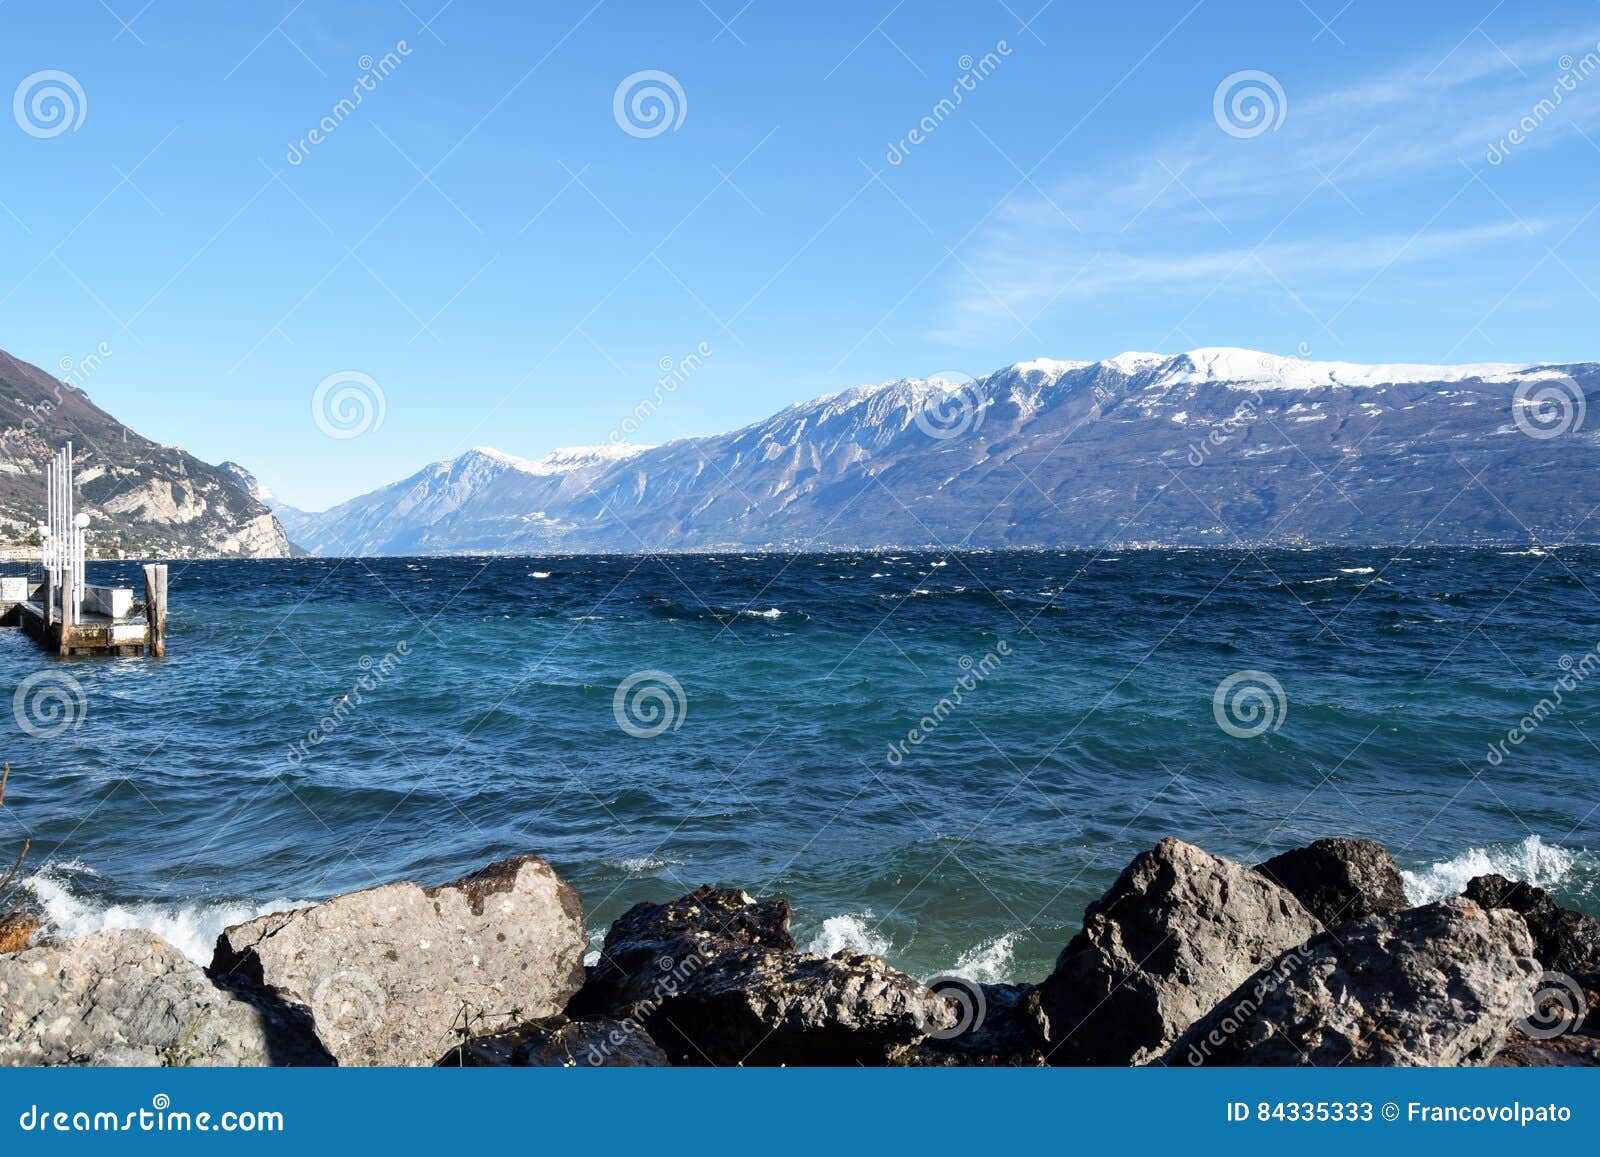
(987, 963)
(597, 940)
(1532, 862)
(1355, 570)
(850, 931)
(642, 865)
(769, 613)
(190, 928)
(539, 574)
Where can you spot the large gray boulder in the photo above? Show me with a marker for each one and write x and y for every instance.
(396, 974)
(1178, 931)
(129, 998)
(1340, 879)
(1442, 984)
(715, 978)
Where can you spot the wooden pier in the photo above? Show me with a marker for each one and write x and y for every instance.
(62, 612)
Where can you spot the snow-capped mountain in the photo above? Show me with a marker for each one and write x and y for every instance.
(1215, 446)
(476, 502)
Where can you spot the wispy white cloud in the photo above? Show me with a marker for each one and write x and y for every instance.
(1354, 183)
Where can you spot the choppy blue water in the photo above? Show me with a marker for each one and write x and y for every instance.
(809, 754)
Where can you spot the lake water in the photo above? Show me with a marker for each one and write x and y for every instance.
(940, 757)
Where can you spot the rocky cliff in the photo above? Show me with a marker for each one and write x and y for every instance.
(144, 499)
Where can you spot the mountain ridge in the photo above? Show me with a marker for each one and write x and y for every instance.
(1215, 445)
(144, 499)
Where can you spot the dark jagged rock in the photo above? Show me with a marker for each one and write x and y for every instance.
(1564, 1028)
(1437, 985)
(1573, 1050)
(994, 1029)
(715, 978)
(1340, 879)
(391, 974)
(651, 939)
(1565, 941)
(559, 1042)
(1178, 931)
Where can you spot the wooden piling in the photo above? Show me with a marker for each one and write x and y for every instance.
(155, 607)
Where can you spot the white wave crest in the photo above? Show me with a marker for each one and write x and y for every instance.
(191, 928)
(988, 962)
(851, 931)
(1531, 861)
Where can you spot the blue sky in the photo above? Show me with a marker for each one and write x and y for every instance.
(484, 241)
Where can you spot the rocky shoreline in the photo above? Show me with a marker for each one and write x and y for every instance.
(1314, 957)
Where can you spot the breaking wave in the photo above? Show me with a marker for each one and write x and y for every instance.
(191, 928)
(1531, 861)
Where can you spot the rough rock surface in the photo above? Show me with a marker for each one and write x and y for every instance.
(1340, 879)
(1178, 931)
(558, 1042)
(392, 975)
(994, 1029)
(1569, 1050)
(1438, 985)
(17, 931)
(127, 997)
(1567, 944)
(715, 979)
(1564, 940)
